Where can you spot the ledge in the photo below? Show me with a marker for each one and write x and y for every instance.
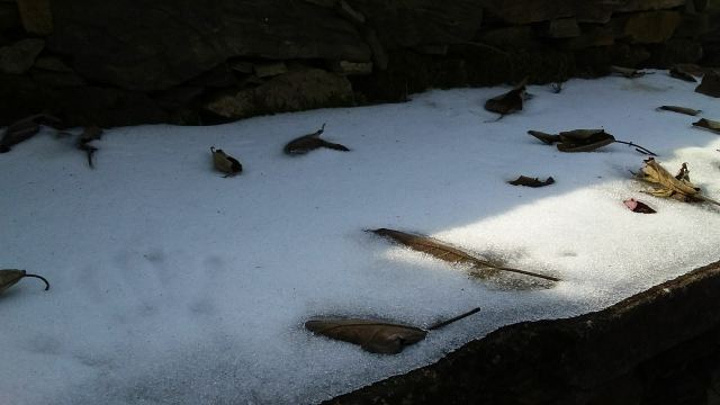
(659, 346)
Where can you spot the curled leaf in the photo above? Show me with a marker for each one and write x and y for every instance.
(10, 277)
(309, 142)
(509, 102)
(545, 138)
(680, 110)
(375, 336)
(25, 129)
(638, 206)
(482, 268)
(531, 182)
(711, 125)
(583, 140)
(627, 72)
(668, 186)
(225, 163)
(710, 84)
(679, 72)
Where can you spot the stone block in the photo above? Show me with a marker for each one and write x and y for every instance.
(263, 70)
(562, 28)
(651, 27)
(36, 16)
(19, 57)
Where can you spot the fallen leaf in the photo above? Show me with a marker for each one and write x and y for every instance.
(509, 102)
(668, 186)
(710, 85)
(89, 134)
(679, 73)
(711, 125)
(638, 206)
(309, 142)
(546, 138)
(10, 277)
(375, 336)
(531, 182)
(25, 129)
(583, 140)
(225, 163)
(681, 110)
(482, 268)
(628, 72)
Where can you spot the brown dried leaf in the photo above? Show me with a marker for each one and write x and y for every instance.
(509, 102)
(584, 140)
(225, 163)
(376, 336)
(25, 129)
(627, 72)
(450, 254)
(710, 85)
(666, 184)
(679, 72)
(372, 336)
(10, 277)
(309, 142)
(544, 137)
(638, 206)
(711, 125)
(531, 182)
(681, 110)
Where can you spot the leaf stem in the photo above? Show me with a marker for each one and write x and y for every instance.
(451, 320)
(638, 148)
(47, 285)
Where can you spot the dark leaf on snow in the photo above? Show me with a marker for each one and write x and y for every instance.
(546, 138)
(531, 182)
(711, 125)
(679, 72)
(10, 277)
(510, 102)
(680, 110)
(710, 85)
(638, 206)
(25, 129)
(309, 142)
(627, 72)
(584, 140)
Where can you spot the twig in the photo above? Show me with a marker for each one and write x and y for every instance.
(451, 320)
(637, 148)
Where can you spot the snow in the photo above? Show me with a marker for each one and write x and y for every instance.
(174, 285)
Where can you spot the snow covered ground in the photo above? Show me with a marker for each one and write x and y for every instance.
(174, 285)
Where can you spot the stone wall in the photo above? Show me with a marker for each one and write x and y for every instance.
(128, 62)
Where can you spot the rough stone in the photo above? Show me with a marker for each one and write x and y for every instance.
(56, 78)
(241, 66)
(352, 68)
(692, 26)
(219, 76)
(9, 16)
(672, 52)
(53, 64)
(641, 5)
(36, 16)
(408, 23)
(652, 27)
(264, 70)
(166, 43)
(292, 91)
(510, 38)
(530, 11)
(19, 57)
(592, 37)
(107, 107)
(563, 28)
